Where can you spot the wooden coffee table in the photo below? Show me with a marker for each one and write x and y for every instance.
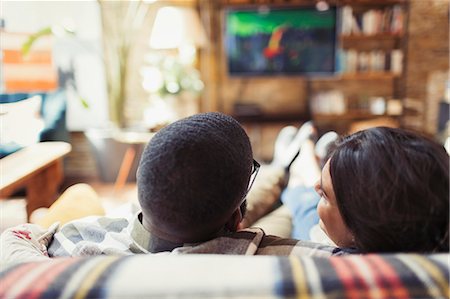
(38, 168)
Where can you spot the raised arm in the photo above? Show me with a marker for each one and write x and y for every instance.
(25, 243)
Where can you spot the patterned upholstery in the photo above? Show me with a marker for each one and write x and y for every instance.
(207, 276)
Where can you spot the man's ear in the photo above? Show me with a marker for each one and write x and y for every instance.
(233, 223)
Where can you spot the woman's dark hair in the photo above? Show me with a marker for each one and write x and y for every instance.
(392, 190)
(193, 173)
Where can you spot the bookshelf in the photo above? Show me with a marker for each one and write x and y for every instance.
(370, 64)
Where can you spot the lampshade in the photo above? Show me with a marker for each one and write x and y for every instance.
(176, 27)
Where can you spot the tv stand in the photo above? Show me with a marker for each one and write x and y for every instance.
(272, 118)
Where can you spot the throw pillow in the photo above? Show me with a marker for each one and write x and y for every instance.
(21, 122)
(78, 201)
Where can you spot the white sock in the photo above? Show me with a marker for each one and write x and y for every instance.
(324, 143)
(304, 133)
(282, 142)
(304, 171)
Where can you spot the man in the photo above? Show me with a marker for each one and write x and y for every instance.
(192, 181)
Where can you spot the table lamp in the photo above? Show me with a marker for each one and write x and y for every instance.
(176, 35)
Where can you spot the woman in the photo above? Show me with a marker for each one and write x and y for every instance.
(382, 190)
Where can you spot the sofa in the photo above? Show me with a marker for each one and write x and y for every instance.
(220, 276)
(163, 275)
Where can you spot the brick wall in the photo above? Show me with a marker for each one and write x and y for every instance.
(427, 53)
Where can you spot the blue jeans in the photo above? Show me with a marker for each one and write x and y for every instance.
(302, 203)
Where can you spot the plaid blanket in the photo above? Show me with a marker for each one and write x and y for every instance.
(213, 276)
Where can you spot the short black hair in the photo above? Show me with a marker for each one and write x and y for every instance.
(194, 172)
(392, 190)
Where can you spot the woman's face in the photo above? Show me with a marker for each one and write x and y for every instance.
(331, 221)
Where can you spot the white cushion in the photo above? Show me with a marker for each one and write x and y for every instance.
(21, 122)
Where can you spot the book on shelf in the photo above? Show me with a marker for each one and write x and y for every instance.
(347, 19)
(330, 102)
(397, 20)
(373, 21)
(353, 61)
(363, 61)
(356, 26)
(396, 61)
(350, 61)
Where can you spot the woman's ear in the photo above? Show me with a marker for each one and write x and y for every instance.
(233, 223)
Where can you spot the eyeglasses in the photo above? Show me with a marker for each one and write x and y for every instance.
(253, 175)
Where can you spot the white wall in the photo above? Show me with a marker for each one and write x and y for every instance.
(84, 50)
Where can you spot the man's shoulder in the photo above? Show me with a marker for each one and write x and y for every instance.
(274, 245)
(253, 241)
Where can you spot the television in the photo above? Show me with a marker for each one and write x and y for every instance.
(280, 41)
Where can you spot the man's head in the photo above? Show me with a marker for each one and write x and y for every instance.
(193, 176)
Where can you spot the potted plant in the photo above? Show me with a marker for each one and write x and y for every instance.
(173, 85)
(121, 22)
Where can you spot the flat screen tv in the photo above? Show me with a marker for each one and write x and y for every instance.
(285, 41)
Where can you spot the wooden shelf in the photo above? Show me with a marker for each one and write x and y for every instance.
(368, 76)
(361, 42)
(371, 76)
(272, 117)
(371, 3)
(348, 116)
(364, 37)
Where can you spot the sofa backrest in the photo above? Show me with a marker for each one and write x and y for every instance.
(218, 276)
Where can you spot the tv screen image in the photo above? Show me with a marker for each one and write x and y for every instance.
(294, 40)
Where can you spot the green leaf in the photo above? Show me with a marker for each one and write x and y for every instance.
(28, 44)
(26, 47)
(84, 102)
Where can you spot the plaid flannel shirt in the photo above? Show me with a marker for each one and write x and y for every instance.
(104, 235)
(126, 236)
